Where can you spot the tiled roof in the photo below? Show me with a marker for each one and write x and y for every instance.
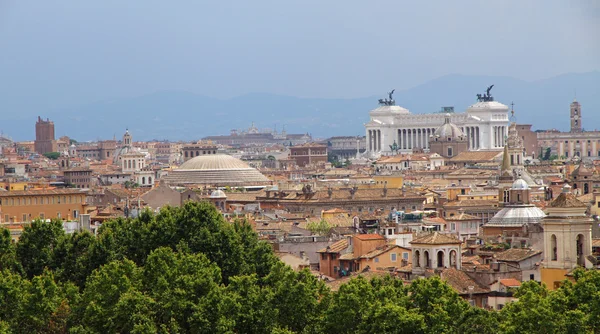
(41, 192)
(436, 239)
(380, 250)
(473, 203)
(595, 242)
(336, 247)
(567, 200)
(510, 282)
(516, 254)
(345, 195)
(365, 237)
(461, 282)
(434, 220)
(476, 156)
(463, 216)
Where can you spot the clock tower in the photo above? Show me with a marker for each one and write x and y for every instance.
(575, 116)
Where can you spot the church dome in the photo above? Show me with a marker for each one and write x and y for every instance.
(520, 184)
(448, 130)
(213, 161)
(218, 194)
(216, 170)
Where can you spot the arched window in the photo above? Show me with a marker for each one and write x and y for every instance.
(580, 253)
(149, 179)
(143, 180)
(440, 259)
(553, 248)
(427, 261)
(452, 259)
(417, 259)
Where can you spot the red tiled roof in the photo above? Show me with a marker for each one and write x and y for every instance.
(510, 282)
(336, 247)
(365, 237)
(436, 239)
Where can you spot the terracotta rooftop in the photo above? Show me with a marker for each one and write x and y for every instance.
(567, 200)
(462, 216)
(72, 191)
(516, 254)
(479, 156)
(461, 282)
(380, 250)
(365, 237)
(336, 247)
(510, 282)
(436, 239)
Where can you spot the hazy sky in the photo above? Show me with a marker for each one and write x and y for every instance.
(68, 52)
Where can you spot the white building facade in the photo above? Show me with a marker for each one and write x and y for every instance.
(485, 124)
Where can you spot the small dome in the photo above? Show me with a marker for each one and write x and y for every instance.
(218, 194)
(448, 130)
(520, 184)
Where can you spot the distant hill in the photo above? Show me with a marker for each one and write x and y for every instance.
(177, 115)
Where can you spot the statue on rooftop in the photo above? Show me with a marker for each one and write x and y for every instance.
(487, 97)
(389, 101)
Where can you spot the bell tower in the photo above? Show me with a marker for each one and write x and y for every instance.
(575, 116)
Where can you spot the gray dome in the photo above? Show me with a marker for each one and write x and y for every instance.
(520, 184)
(448, 130)
(217, 170)
(213, 161)
(218, 194)
(517, 216)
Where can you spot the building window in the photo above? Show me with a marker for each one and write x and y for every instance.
(323, 256)
(553, 248)
(450, 151)
(376, 260)
(393, 257)
(333, 256)
(405, 255)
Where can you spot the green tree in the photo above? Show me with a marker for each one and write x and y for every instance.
(321, 227)
(108, 303)
(46, 307)
(532, 313)
(181, 283)
(391, 318)
(295, 296)
(14, 291)
(360, 301)
(72, 257)
(438, 303)
(8, 253)
(36, 245)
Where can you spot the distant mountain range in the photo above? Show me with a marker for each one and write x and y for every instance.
(178, 115)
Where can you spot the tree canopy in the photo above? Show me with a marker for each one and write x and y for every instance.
(187, 270)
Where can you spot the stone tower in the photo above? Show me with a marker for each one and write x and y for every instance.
(126, 139)
(567, 238)
(575, 116)
(44, 136)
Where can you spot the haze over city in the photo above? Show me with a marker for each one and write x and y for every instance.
(64, 54)
(284, 167)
